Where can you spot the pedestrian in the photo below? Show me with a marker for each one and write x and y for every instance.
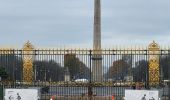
(18, 96)
(133, 86)
(152, 98)
(144, 97)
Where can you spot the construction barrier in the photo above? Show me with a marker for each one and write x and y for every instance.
(113, 98)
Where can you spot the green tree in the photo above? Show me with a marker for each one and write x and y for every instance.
(13, 65)
(3, 73)
(140, 71)
(118, 70)
(52, 69)
(164, 67)
(76, 67)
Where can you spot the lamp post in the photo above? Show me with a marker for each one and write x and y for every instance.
(45, 72)
(45, 78)
(35, 72)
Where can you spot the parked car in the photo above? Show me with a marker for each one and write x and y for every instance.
(81, 80)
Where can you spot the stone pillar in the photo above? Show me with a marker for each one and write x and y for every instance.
(97, 26)
(97, 54)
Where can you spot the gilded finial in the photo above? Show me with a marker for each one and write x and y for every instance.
(153, 45)
(28, 45)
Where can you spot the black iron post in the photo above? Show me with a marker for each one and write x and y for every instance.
(168, 90)
(147, 73)
(168, 84)
(90, 92)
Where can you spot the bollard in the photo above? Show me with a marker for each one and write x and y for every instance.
(113, 98)
(52, 98)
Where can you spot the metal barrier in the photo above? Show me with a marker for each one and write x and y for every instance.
(86, 73)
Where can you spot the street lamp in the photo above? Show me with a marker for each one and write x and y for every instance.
(45, 73)
(35, 72)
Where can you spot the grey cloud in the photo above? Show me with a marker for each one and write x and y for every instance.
(71, 21)
(139, 18)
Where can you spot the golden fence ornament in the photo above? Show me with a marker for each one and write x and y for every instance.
(154, 74)
(6, 51)
(28, 63)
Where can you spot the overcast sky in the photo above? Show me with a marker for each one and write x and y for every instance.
(53, 23)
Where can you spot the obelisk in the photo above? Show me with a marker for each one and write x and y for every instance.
(97, 56)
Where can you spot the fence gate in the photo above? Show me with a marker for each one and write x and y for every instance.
(74, 74)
